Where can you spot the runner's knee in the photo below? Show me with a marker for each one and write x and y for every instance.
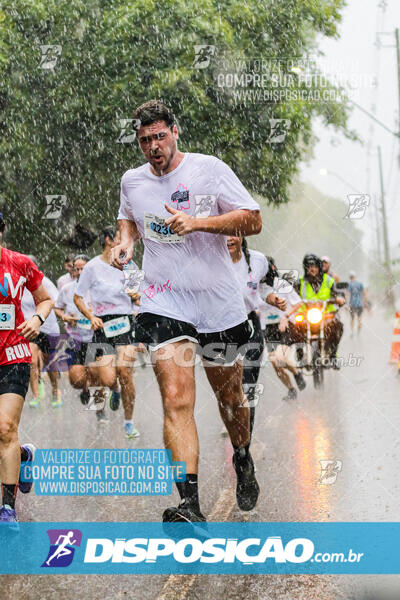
(8, 430)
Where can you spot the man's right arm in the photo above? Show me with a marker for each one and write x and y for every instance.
(122, 254)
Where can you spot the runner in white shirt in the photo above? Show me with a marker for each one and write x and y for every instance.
(279, 326)
(81, 375)
(250, 268)
(183, 206)
(111, 318)
(67, 278)
(44, 348)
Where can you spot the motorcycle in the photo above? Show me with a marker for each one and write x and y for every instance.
(314, 356)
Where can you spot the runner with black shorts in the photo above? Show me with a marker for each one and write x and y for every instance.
(111, 318)
(183, 205)
(16, 273)
(250, 267)
(44, 348)
(81, 375)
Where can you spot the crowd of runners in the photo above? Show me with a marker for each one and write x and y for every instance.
(200, 293)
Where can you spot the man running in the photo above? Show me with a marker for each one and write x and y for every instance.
(356, 295)
(44, 348)
(17, 271)
(183, 205)
(78, 327)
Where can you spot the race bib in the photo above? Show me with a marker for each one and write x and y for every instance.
(7, 316)
(155, 229)
(117, 326)
(272, 318)
(83, 324)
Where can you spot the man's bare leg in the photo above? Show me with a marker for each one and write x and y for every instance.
(227, 385)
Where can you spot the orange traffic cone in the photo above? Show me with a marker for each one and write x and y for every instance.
(395, 351)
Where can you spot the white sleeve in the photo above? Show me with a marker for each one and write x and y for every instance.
(265, 290)
(262, 267)
(51, 288)
(60, 302)
(123, 212)
(84, 282)
(231, 193)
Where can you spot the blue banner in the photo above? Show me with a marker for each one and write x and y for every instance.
(209, 548)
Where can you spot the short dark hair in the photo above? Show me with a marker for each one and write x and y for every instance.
(69, 258)
(107, 232)
(151, 112)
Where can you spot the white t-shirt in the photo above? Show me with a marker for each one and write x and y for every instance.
(63, 280)
(50, 326)
(83, 330)
(189, 278)
(272, 314)
(104, 283)
(250, 281)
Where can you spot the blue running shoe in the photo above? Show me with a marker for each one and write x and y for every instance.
(9, 517)
(131, 431)
(115, 398)
(26, 486)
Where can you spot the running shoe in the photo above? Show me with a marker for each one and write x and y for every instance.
(291, 395)
(301, 383)
(56, 400)
(35, 402)
(247, 488)
(101, 417)
(42, 390)
(26, 486)
(131, 431)
(183, 514)
(84, 396)
(115, 397)
(9, 517)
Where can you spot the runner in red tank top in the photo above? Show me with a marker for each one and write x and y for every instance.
(16, 272)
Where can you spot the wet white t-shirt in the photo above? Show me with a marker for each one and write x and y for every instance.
(190, 278)
(50, 326)
(269, 314)
(65, 300)
(104, 283)
(250, 281)
(64, 280)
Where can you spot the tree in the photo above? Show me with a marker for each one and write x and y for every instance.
(61, 124)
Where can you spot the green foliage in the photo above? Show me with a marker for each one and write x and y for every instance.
(59, 127)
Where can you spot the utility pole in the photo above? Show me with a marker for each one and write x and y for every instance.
(385, 232)
(397, 35)
(378, 230)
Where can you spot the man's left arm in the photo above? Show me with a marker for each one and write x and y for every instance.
(240, 222)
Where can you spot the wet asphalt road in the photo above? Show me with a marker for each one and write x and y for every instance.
(355, 420)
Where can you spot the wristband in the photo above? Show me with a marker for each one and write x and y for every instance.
(41, 319)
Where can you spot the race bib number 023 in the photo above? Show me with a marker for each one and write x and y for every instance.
(155, 229)
(7, 316)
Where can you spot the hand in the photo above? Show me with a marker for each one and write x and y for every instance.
(340, 301)
(135, 296)
(280, 303)
(30, 329)
(180, 223)
(283, 324)
(121, 254)
(70, 319)
(96, 323)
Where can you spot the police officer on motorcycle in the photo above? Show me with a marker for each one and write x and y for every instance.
(317, 285)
